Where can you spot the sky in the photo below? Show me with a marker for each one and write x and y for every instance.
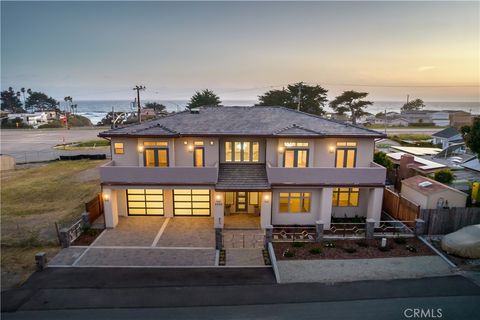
(101, 50)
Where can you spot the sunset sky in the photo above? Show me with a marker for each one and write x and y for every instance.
(101, 50)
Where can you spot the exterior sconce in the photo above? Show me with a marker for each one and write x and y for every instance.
(140, 148)
(211, 143)
(190, 147)
(106, 197)
(185, 142)
(331, 149)
(218, 197)
(281, 149)
(266, 197)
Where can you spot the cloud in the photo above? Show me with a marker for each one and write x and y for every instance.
(425, 68)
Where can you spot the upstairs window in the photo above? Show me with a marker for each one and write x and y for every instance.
(118, 148)
(155, 154)
(242, 151)
(346, 155)
(295, 155)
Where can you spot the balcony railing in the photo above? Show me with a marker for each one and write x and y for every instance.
(372, 175)
(112, 174)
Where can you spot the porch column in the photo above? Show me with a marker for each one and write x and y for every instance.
(266, 210)
(110, 207)
(375, 199)
(218, 209)
(325, 207)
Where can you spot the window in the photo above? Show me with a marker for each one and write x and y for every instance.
(295, 158)
(294, 202)
(253, 198)
(145, 201)
(163, 144)
(198, 157)
(295, 144)
(346, 155)
(228, 198)
(345, 197)
(198, 143)
(155, 157)
(228, 151)
(118, 148)
(242, 151)
(191, 202)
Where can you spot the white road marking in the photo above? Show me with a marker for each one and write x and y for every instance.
(90, 246)
(160, 232)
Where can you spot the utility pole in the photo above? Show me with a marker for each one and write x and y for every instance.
(385, 120)
(408, 98)
(299, 96)
(138, 88)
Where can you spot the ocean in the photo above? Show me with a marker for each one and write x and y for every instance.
(95, 110)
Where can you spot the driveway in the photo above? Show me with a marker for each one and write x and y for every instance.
(147, 242)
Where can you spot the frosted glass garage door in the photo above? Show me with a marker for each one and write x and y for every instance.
(191, 202)
(145, 202)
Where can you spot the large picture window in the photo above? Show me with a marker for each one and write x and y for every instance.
(345, 197)
(242, 151)
(294, 202)
(191, 202)
(145, 202)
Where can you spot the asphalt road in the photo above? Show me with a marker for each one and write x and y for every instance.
(37, 145)
(227, 293)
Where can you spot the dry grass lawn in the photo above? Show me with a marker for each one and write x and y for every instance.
(32, 200)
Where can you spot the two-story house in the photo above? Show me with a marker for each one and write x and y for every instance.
(287, 167)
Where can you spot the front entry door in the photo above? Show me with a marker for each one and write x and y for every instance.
(241, 201)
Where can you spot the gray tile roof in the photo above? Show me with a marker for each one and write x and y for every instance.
(242, 177)
(257, 120)
(446, 133)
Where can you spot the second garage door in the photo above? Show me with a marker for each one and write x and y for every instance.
(191, 202)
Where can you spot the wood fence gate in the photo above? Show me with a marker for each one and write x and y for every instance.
(398, 207)
(94, 208)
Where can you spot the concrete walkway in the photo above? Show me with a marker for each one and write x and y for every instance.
(362, 269)
(245, 257)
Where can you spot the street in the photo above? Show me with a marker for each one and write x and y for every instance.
(228, 293)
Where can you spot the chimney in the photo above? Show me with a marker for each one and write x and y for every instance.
(404, 169)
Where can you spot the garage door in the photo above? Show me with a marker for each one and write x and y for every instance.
(191, 202)
(145, 202)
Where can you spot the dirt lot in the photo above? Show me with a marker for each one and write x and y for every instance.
(33, 198)
(349, 249)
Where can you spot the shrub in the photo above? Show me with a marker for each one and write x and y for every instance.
(51, 124)
(315, 251)
(289, 254)
(298, 244)
(444, 176)
(329, 244)
(400, 240)
(350, 249)
(411, 248)
(381, 158)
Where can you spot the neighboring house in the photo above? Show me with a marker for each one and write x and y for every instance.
(440, 118)
(447, 137)
(33, 119)
(409, 165)
(392, 121)
(431, 194)
(417, 116)
(459, 119)
(286, 167)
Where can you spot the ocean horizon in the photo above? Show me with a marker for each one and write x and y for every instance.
(95, 110)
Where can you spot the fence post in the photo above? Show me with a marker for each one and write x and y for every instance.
(369, 228)
(319, 230)
(65, 238)
(268, 235)
(218, 238)
(419, 227)
(86, 219)
(41, 260)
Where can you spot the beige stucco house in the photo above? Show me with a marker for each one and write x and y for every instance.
(282, 166)
(431, 194)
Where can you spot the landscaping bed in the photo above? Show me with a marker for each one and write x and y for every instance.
(87, 237)
(350, 249)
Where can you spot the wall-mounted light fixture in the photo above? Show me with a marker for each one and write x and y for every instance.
(266, 197)
(185, 142)
(331, 149)
(218, 197)
(106, 196)
(211, 142)
(190, 147)
(140, 148)
(281, 149)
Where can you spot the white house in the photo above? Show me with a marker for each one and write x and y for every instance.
(447, 137)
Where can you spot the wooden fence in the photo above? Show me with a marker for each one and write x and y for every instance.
(443, 221)
(94, 208)
(398, 207)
